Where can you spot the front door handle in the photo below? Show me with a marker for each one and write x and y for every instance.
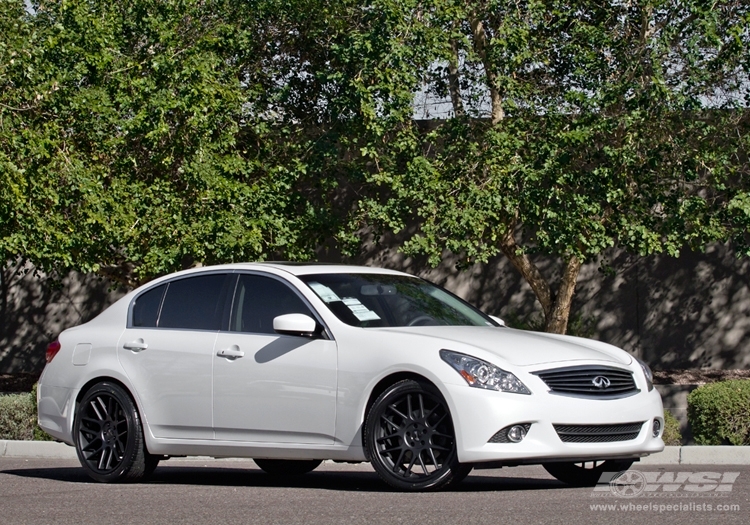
(233, 352)
(136, 346)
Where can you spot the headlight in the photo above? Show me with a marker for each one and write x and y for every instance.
(481, 374)
(647, 372)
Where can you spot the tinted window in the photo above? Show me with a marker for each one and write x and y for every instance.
(195, 302)
(258, 300)
(146, 307)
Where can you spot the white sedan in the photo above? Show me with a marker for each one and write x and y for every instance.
(294, 364)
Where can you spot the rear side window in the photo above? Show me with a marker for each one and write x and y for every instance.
(146, 307)
(195, 303)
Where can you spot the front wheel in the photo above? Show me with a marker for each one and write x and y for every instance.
(108, 436)
(287, 467)
(410, 438)
(585, 474)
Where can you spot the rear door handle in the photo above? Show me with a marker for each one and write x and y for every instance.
(136, 346)
(233, 352)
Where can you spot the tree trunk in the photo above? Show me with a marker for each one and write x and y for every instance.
(556, 306)
(557, 318)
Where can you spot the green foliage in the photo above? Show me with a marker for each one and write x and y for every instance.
(17, 417)
(575, 127)
(137, 138)
(671, 436)
(719, 413)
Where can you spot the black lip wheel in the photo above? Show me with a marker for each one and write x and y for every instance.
(287, 467)
(585, 474)
(410, 438)
(108, 436)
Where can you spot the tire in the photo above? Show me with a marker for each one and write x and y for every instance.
(585, 474)
(410, 439)
(287, 467)
(109, 438)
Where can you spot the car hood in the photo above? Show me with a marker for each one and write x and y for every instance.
(519, 347)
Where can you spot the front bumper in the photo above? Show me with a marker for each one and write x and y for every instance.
(479, 414)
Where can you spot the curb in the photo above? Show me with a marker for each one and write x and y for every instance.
(36, 449)
(685, 455)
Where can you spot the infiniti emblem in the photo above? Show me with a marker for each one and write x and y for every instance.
(601, 382)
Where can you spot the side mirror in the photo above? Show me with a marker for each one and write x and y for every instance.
(496, 319)
(295, 324)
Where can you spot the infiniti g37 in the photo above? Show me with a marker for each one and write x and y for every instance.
(295, 364)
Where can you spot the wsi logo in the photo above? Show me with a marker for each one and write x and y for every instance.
(634, 483)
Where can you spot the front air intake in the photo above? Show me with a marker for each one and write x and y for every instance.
(598, 433)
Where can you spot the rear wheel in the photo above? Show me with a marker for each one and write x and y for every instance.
(585, 474)
(410, 438)
(109, 438)
(287, 467)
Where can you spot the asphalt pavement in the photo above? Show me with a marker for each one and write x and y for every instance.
(42, 491)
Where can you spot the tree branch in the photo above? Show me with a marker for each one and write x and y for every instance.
(453, 83)
(480, 47)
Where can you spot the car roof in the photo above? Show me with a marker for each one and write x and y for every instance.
(307, 268)
(292, 268)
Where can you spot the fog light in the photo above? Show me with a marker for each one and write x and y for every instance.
(516, 433)
(656, 427)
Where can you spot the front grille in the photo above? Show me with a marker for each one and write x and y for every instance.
(593, 381)
(598, 433)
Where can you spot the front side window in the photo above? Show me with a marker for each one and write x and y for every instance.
(258, 300)
(376, 300)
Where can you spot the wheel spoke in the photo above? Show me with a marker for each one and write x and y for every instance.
(408, 407)
(411, 465)
(96, 409)
(386, 438)
(102, 459)
(112, 409)
(394, 425)
(397, 411)
(421, 406)
(91, 448)
(424, 467)
(397, 463)
(436, 423)
(432, 457)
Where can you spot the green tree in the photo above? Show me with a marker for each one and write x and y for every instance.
(574, 127)
(139, 137)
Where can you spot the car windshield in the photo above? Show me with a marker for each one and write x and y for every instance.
(377, 300)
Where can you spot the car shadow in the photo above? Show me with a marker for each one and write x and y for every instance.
(357, 481)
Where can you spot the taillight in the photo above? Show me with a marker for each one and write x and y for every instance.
(52, 350)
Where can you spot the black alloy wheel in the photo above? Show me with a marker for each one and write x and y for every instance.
(109, 438)
(585, 474)
(410, 439)
(287, 467)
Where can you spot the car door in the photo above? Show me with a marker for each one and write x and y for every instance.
(268, 387)
(167, 353)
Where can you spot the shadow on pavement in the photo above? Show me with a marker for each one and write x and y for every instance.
(358, 481)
